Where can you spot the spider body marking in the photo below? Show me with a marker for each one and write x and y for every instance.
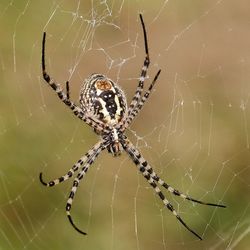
(103, 107)
(105, 100)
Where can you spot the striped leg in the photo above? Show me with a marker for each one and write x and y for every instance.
(89, 155)
(76, 184)
(146, 167)
(65, 97)
(157, 189)
(140, 103)
(166, 202)
(151, 176)
(146, 63)
(178, 193)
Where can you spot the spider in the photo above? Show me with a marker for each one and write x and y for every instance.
(103, 107)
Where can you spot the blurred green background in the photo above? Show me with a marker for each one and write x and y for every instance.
(194, 130)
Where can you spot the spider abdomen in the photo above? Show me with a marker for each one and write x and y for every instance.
(103, 99)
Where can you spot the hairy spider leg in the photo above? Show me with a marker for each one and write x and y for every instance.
(151, 177)
(64, 97)
(144, 69)
(76, 166)
(149, 169)
(76, 182)
(141, 102)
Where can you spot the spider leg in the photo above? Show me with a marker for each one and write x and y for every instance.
(67, 89)
(56, 87)
(172, 190)
(144, 69)
(76, 166)
(166, 202)
(76, 182)
(178, 193)
(65, 97)
(151, 181)
(141, 102)
(152, 178)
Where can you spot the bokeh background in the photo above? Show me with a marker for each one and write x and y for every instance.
(194, 130)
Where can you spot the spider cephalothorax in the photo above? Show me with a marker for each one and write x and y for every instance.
(115, 140)
(103, 106)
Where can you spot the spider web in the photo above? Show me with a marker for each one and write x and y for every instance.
(194, 130)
